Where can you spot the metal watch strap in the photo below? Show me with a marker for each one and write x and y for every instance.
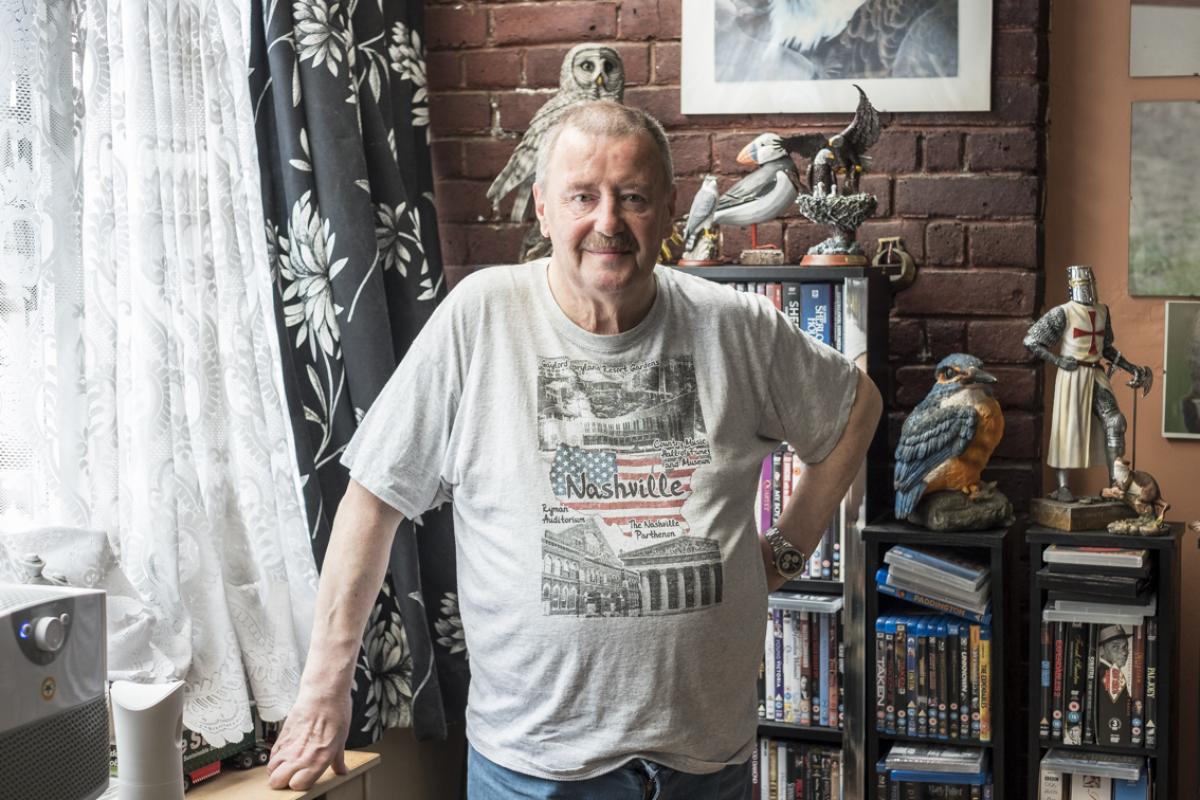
(779, 544)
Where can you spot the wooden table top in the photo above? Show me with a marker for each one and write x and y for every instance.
(251, 784)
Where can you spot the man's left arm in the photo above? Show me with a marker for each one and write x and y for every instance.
(821, 486)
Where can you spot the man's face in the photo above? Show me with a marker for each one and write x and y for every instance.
(605, 206)
(1117, 652)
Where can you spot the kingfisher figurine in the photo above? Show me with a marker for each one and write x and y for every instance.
(946, 442)
(1087, 427)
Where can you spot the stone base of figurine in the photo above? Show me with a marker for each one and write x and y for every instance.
(761, 257)
(833, 260)
(956, 511)
(1139, 526)
(1084, 514)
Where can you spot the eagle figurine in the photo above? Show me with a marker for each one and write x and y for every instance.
(851, 145)
(947, 440)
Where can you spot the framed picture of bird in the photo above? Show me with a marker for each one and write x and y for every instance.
(801, 56)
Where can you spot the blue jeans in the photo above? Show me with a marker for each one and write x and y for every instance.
(637, 780)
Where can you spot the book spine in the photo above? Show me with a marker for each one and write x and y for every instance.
(834, 644)
(1044, 710)
(786, 475)
(1056, 686)
(839, 314)
(764, 495)
(815, 309)
(1075, 683)
(755, 777)
(814, 668)
(841, 672)
(791, 304)
(1050, 785)
(776, 485)
(823, 666)
(932, 718)
(922, 679)
(789, 770)
(1089, 691)
(805, 686)
(900, 672)
(975, 688)
(943, 707)
(885, 677)
(762, 672)
(836, 541)
(777, 671)
(950, 568)
(781, 770)
(1137, 688)
(789, 660)
(929, 602)
(827, 552)
(764, 768)
(1151, 724)
(964, 680)
(773, 770)
(910, 675)
(775, 292)
(952, 688)
(985, 683)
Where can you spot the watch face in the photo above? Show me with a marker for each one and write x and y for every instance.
(790, 562)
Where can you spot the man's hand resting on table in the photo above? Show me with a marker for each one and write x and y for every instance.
(313, 738)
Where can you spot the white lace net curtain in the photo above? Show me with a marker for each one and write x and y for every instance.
(144, 447)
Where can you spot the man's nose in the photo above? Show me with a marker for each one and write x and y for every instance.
(608, 216)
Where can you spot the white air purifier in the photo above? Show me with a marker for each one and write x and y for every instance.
(148, 719)
(53, 717)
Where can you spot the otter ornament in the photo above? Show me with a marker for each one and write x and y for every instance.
(1138, 490)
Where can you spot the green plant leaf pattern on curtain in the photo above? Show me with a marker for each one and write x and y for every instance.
(342, 121)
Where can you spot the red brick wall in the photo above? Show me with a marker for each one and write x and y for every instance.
(964, 190)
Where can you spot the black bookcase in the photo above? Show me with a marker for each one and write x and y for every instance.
(869, 289)
(1001, 550)
(1164, 555)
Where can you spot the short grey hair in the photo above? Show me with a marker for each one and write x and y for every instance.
(606, 118)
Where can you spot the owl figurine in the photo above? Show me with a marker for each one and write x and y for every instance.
(947, 440)
(589, 72)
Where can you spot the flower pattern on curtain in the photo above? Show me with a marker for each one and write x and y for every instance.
(343, 127)
(159, 445)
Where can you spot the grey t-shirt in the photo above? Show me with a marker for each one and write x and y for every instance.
(611, 585)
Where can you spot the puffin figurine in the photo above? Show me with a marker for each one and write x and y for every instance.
(947, 440)
(765, 193)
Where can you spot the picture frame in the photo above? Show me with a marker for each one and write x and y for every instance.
(727, 43)
(1181, 367)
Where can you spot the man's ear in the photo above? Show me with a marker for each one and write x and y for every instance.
(539, 208)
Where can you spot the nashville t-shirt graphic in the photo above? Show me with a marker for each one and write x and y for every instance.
(621, 444)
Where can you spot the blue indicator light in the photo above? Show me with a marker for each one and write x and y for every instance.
(25, 631)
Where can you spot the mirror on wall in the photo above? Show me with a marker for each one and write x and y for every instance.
(1164, 37)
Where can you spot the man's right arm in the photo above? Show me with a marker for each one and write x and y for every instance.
(314, 735)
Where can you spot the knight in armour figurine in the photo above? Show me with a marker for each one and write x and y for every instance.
(1086, 425)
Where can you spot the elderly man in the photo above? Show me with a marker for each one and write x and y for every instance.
(599, 423)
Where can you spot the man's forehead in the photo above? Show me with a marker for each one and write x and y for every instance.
(581, 157)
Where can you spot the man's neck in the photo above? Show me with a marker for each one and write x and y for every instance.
(604, 315)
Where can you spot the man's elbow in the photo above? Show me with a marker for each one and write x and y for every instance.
(870, 402)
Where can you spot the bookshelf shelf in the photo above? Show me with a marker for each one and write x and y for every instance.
(1000, 550)
(1164, 557)
(866, 293)
(903, 737)
(804, 733)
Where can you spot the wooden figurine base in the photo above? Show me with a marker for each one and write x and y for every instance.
(690, 262)
(811, 260)
(761, 257)
(1076, 516)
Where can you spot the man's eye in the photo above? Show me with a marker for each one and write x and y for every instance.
(635, 199)
(580, 198)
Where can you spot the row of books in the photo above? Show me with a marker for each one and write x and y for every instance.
(1093, 776)
(933, 677)
(937, 579)
(801, 679)
(1099, 683)
(923, 772)
(788, 770)
(815, 308)
(780, 472)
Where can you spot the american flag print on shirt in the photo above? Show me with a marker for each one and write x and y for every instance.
(623, 489)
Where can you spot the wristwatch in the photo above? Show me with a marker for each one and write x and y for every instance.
(789, 561)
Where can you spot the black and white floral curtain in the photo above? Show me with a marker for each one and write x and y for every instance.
(342, 120)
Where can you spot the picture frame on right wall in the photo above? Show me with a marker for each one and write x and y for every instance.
(1181, 363)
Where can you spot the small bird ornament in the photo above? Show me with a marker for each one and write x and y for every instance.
(947, 440)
